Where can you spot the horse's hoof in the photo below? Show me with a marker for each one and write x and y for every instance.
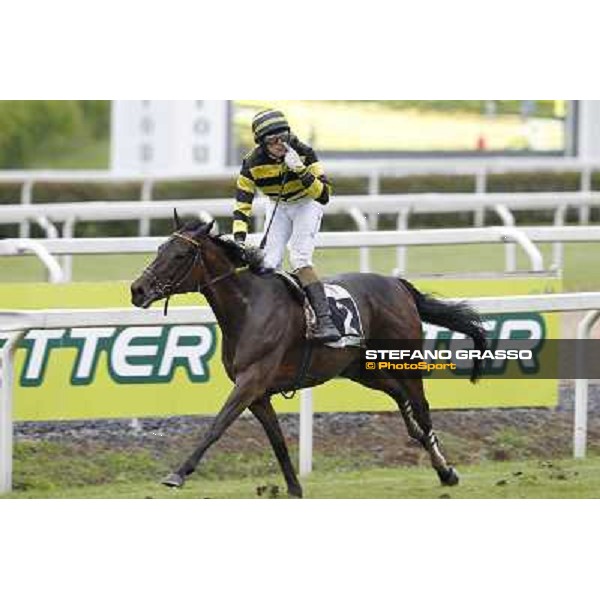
(173, 480)
(295, 493)
(449, 477)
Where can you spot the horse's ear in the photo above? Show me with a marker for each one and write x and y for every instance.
(176, 219)
(202, 228)
(208, 226)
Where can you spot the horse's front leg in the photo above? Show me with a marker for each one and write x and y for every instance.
(263, 410)
(248, 387)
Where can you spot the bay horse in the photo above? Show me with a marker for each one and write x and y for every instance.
(264, 343)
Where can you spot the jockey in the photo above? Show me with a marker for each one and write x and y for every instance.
(289, 173)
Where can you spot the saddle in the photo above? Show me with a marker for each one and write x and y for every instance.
(344, 311)
(293, 284)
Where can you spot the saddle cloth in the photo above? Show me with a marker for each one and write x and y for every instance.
(344, 312)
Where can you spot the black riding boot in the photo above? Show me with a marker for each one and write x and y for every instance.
(326, 331)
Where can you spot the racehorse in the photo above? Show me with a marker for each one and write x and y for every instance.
(264, 348)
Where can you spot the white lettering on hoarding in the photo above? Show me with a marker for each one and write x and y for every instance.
(88, 355)
(192, 354)
(39, 342)
(125, 349)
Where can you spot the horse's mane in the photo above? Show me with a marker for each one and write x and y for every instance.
(241, 256)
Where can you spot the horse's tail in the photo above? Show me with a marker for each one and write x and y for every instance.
(457, 316)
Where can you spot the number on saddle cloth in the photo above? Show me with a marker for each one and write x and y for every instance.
(344, 311)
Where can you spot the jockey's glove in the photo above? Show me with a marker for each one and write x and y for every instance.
(292, 160)
(240, 238)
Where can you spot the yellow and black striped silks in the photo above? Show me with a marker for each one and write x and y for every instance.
(275, 180)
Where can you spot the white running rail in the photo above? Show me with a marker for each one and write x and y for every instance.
(46, 249)
(111, 210)
(361, 239)
(364, 211)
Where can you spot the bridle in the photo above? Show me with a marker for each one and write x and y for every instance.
(167, 289)
(198, 256)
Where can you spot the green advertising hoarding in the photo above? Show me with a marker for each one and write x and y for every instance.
(160, 370)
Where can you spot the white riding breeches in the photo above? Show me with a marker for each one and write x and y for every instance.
(296, 223)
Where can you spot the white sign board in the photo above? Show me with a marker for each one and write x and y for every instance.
(589, 130)
(158, 136)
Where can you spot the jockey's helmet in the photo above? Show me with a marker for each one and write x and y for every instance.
(268, 122)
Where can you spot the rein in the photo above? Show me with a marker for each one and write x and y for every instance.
(198, 255)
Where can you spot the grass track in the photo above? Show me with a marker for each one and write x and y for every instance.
(524, 479)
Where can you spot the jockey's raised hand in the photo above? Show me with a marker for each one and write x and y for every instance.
(292, 159)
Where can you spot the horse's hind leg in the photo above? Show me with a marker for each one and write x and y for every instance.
(415, 410)
(263, 411)
(410, 398)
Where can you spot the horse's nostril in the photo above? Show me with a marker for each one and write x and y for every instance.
(137, 294)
